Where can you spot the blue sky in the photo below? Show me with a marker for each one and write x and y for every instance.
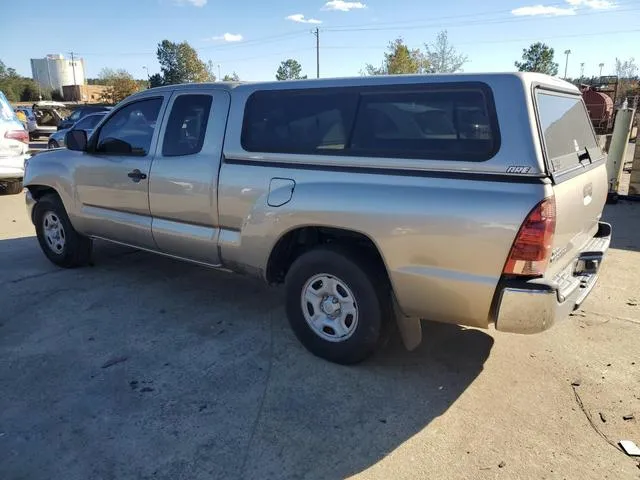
(251, 38)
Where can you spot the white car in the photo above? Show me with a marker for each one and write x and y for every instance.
(14, 144)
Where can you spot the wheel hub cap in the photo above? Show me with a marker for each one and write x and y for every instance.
(329, 307)
(53, 232)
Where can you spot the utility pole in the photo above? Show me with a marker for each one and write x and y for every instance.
(581, 71)
(566, 65)
(219, 74)
(73, 67)
(316, 32)
(601, 65)
(146, 69)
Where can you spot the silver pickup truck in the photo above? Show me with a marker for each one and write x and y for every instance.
(471, 199)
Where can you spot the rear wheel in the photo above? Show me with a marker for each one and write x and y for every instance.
(336, 304)
(13, 188)
(58, 239)
(33, 136)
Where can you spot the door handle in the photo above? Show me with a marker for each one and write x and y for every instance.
(136, 175)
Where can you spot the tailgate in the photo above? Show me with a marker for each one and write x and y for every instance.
(578, 168)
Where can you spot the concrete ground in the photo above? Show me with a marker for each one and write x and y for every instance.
(141, 367)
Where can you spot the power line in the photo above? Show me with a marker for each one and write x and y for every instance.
(248, 43)
(479, 14)
(482, 42)
(473, 22)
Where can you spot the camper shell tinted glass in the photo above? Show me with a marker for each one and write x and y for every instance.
(566, 129)
(454, 121)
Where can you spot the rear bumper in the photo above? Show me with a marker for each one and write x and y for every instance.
(12, 168)
(534, 306)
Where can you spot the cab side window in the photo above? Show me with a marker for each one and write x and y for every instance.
(187, 125)
(130, 130)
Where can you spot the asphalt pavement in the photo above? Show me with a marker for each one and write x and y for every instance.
(142, 367)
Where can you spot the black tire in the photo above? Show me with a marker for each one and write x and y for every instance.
(13, 188)
(76, 251)
(53, 144)
(370, 289)
(33, 136)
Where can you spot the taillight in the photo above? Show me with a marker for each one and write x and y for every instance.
(20, 135)
(532, 247)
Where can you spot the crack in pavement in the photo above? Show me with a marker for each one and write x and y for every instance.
(607, 315)
(260, 407)
(590, 420)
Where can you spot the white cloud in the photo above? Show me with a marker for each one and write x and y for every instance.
(595, 4)
(571, 8)
(343, 6)
(195, 3)
(229, 37)
(299, 18)
(543, 10)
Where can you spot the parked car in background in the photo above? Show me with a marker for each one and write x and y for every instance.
(88, 123)
(31, 119)
(81, 112)
(14, 143)
(48, 116)
(471, 199)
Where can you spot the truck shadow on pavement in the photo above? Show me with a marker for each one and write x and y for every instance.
(144, 367)
(624, 217)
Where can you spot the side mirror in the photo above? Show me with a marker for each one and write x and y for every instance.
(76, 140)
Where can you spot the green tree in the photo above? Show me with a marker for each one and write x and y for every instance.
(442, 57)
(290, 69)
(179, 63)
(32, 92)
(231, 78)
(211, 75)
(398, 59)
(538, 58)
(18, 88)
(120, 84)
(156, 80)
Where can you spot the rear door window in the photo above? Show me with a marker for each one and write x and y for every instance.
(566, 129)
(187, 125)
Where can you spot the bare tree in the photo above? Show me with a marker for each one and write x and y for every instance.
(442, 57)
(626, 69)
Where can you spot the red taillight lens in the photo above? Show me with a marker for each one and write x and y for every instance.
(532, 247)
(20, 135)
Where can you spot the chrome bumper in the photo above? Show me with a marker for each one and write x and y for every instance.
(532, 307)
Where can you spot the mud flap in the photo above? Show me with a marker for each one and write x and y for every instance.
(410, 328)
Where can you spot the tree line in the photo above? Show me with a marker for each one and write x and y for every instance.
(180, 63)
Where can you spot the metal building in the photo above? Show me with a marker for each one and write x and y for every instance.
(55, 71)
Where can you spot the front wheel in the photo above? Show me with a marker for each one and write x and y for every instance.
(336, 304)
(53, 144)
(58, 239)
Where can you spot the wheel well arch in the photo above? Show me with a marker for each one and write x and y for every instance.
(39, 191)
(297, 241)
